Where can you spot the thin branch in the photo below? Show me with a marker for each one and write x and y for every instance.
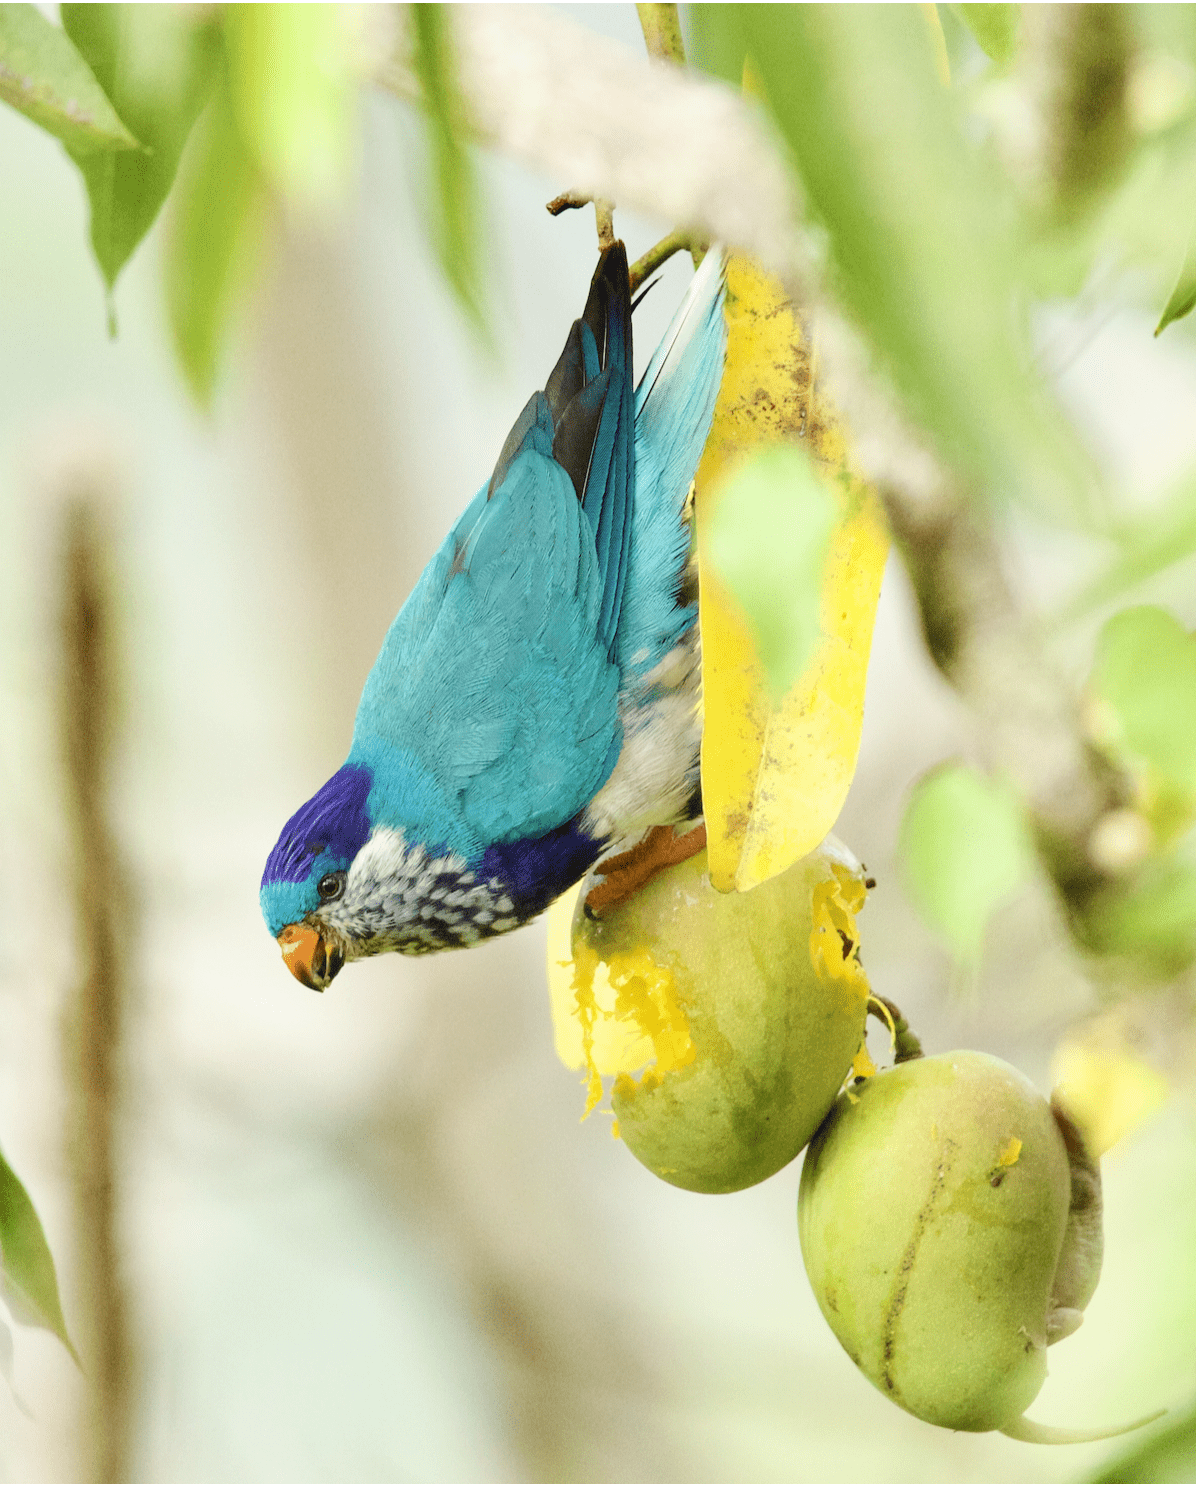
(567, 201)
(604, 217)
(906, 1045)
(94, 1042)
(678, 241)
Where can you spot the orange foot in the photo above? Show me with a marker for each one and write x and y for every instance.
(629, 872)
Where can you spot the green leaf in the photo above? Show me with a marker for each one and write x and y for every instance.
(721, 42)
(768, 541)
(454, 210)
(1152, 920)
(293, 89)
(1166, 1458)
(994, 27)
(43, 76)
(156, 64)
(919, 225)
(29, 1281)
(1165, 537)
(215, 241)
(1145, 675)
(965, 849)
(1183, 296)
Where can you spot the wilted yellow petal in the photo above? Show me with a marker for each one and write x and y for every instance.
(773, 780)
(1106, 1090)
(611, 1019)
(1010, 1154)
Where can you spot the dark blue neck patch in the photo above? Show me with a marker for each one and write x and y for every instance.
(333, 825)
(534, 871)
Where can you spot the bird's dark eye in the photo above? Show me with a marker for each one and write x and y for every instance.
(331, 886)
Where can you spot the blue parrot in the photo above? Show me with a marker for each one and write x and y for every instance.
(534, 706)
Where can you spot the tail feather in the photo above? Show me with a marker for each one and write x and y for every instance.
(673, 409)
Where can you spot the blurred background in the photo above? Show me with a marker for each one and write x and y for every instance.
(365, 1236)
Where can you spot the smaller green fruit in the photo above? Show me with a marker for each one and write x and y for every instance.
(933, 1209)
(739, 1015)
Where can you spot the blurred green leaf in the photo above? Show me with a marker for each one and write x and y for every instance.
(455, 225)
(994, 27)
(1145, 675)
(720, 41)
(293, 90)
(43, 76)
(1166, 1458)
(965, 849)
(155, 62)
(920, 229)
(1165, 537)
(1153, 919)
(215, 240)
(768, 541)
(1183, 296)
(29, 1281)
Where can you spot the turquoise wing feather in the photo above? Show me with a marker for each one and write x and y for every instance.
(492, 710)
(674, 406)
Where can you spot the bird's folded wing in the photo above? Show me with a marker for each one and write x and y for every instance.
(495, 677)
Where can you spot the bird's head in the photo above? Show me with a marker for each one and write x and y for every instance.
(307, 873)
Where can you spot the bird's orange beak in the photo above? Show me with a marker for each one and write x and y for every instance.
(308, 956)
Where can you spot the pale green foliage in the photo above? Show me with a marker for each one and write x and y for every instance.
(293, 91)
(214, 243)
(1147, 547)
(28, 1279)
(1168, 1457)
(155, 62)
(994, 27)
(1183, 296)
(965, 850)
(453, 205)
(1145, 676)
(768, 540)
(44, 76)
(280, 123)
(1153, 920)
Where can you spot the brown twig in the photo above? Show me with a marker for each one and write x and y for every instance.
(604, 212)
(567, 201)
(94, 1033)
(604, 216)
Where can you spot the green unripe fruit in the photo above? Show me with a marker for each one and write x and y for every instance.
(933, 1209)
(750, 1006)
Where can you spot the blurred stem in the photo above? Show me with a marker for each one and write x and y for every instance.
(906, 1045)
(676, 241)
(93, 1045)
(661, 25)
(1085, 65)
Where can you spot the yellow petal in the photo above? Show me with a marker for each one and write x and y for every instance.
(774, 779)
(1106, 1089)
(610, 1019)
